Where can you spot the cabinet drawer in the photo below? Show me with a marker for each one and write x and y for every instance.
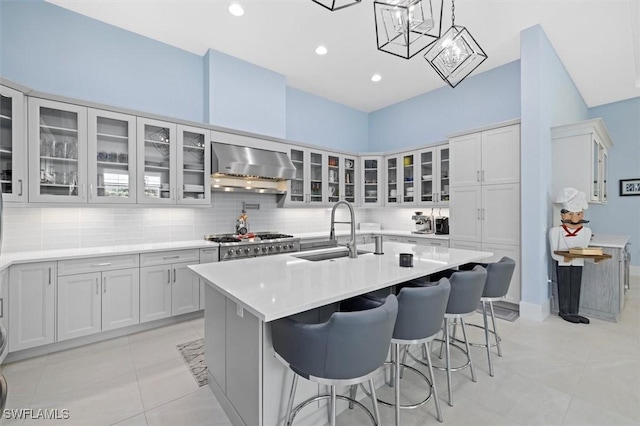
(167, 257)
(436, 243)
(96, 264)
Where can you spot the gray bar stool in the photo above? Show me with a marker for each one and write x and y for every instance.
(499, 276)
(466, 290)
(420, 314)
(343, 351)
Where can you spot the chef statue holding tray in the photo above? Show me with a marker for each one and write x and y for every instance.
(570, 234)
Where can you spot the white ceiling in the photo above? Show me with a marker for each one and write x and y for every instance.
(597, 40)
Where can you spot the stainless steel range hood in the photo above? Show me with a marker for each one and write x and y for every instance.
(243, 169)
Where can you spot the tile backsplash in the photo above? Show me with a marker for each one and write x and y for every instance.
(46, 228)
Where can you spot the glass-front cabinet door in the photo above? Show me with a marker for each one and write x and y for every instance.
(442, 187)
(194, 165)
(428, 178)
(57, 152)
(349, 180)
(371, 181)
(296, 195)
(392, 180)
(316, 195)
(308, 187)
(334, 178)
(13, 148)
(112, 157)
(408, 178)
(156, 162)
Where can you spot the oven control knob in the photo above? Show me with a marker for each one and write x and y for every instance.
(290, 246)
(247, 250)
(256, 249)
(230, 252)
(271, 248)
(264, 249)
(279, 247)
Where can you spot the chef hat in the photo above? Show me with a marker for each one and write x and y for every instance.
(572, 200)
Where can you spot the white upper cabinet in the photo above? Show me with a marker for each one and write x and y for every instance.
(157, 179)
(579, 159)
(112, 157)
(194, 165)
(371, 169)
(13, 146)
(57, 152)
(309, 185)
(490, 157)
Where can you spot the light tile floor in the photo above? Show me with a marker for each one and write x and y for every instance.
(552, 373)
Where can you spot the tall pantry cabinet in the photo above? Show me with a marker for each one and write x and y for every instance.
(485, 195)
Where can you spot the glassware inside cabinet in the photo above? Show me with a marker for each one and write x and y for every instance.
(334, 178)
(157, 152)
(444, 174)
(113, 143)
(58, 152)
(297, 183)
(315, 166)
(407, 174)
(6, 144)
(350, 180)
(371, 181)
(426, 177)
(392, 180)
(193, 168)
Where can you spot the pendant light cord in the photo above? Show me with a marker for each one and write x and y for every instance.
(453, 13)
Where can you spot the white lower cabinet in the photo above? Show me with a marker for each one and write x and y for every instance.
(95, 295)
(422, 241)
(499, 251)
(167, 286)
(32, 295)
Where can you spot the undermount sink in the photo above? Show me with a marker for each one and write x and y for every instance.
(316, 257)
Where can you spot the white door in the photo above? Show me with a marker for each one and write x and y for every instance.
(500, 215)
(501, 155)
(120, 298)
(466, 157)
(31, 305)
(193, 165)
(156, 157)
(185, 292)
(79, 309)
(297, 188)
(394, 188)
(443, 178)
(155, 292)
(465, 214)
(13, 149)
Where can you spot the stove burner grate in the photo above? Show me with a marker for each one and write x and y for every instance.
(273, 236)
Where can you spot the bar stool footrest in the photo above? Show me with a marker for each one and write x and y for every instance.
(453, 345)
(303, 404)
(481, 345)
(404, 406)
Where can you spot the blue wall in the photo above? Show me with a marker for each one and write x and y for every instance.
(244, 96)
(482, 99)
(319, 121)
(53, 50)
(622, 214)
(549, 98)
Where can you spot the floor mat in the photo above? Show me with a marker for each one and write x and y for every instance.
(193, 355)
(502, 312)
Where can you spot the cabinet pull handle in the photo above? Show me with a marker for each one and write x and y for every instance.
(90, 191)
(170, 257)
(478, 214)
(100, 264)
(1, 307)
(168, 276)
(173, 193)
(482, 214)
(412, 241)
(97, 284)
(49, 275)
(20, 182)
(477, 175)
(174, 275)
(104, 285)
(84, 190)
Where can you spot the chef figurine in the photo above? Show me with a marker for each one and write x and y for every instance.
(570, 234)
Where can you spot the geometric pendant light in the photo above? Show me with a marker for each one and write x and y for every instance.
(456, 54)
(406, 27)
(336, 4)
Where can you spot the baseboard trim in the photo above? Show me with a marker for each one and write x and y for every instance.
(535, 312)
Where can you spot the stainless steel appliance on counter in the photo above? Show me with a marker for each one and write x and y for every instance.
(442, 226)
(234, 247)
(424, 223)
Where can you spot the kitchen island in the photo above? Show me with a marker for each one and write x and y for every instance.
(242, 297)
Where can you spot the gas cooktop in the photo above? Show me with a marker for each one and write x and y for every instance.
(254, 244)
(248, 238)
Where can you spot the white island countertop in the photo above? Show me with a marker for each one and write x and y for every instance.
(273, 287)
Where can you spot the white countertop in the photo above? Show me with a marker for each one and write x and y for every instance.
(604, 240)
(274, 287)
(325, 234)
(8, 259)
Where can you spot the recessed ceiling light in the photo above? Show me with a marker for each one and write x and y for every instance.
(321, 50)
(376, 78)
(236, 10)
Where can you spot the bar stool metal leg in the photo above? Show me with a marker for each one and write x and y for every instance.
(396, 366)
(466, 344)
(374, 401)
(433, 381)
(486, 336)
(448, 359)
(333, 405)
(294, 384)
(352, 395)
(495, 330)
